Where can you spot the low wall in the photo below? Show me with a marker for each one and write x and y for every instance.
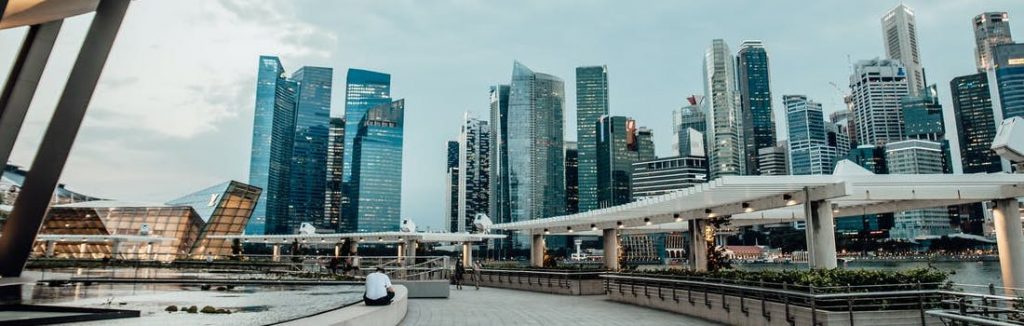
(546, 282)
(734, 310)
(360, 314)
(425, 289)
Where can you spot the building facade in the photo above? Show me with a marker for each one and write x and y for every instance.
(306, 178)
(725, 124)
(899, 30)
(377, 169)
(877, 88)
(645, 144)
(591, 104)
(690, 125)
(1008, 74)
(871, 158)
(572, 186)
(501, 201)
(617, 150)
(335, 167)
(809, 152)
(474, 172)
(755, 101)
(772, 161)
(364, 90)
(272, 136)
(918, 157)
(990, 29)
(660, 176)
(451, 196)
(975, 123)
(922, 116)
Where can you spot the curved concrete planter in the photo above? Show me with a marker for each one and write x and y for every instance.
(362, 315)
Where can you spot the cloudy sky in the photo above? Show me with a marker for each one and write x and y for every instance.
(173, 111)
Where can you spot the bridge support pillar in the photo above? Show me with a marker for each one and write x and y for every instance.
(353, 251)
(698, 253)
(115, 248)
(611, 249)
(337, 250)
(537, 248)
(49, 248)
(1009, 242)
(467, 254)
(821, 235)
(400, 250)
(277, 253)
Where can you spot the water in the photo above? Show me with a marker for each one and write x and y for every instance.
(974, 273)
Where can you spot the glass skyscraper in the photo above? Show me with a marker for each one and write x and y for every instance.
(451, 197)
(725, 128)
(877, 87)
(272, 137)
(474, 172)
(307, 176)
(1009, 79)
(591, 104)
(364, 90)
(500, 206)
(899, 29)
(990, 29)
(335, 167)
(809, 152)
(922, 116)
(377, 169)
(617, 150)
(572, 187)
(535, 145)
(918, 157)
(755, 101)
(975, 122)
(690, 125)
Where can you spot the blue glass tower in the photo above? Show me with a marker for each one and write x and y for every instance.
(272, 135)
(591, 105)
(975, 123)
(377, 169)
(755, 101)
(1009, 77)
(809, 152)
(364, 90)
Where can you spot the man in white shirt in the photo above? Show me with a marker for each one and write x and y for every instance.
(379, 291)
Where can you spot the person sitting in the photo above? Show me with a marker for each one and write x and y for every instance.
(379, 291)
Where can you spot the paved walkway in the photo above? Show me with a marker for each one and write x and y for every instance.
(492, 306)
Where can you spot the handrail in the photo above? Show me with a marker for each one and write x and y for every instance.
(541, 272)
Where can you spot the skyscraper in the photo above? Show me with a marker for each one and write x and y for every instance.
(617, 150)
(335, 166)
(809, 152)
(364, 90)
(877, 87)
(975, 123)
(922, 116)
(690, 125)
(664, 175)
(591, 104)
(535, 145)
(307, 181)
(918, 157)
(772, 161)
(272, 134)
(990, 29)
(474, 171)
(1008, 72)
(725, 129)
(899, 30)
(572, 186)
(451, 196)
(500, 205)
(377, 168)
(870, 157)
(755, 101)
(645, 144)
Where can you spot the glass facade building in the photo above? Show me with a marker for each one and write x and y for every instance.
(307, 178)
(877, 88)
(272, 136)
(364, 90)
(591, 104)
(1009, 77)
(975, 123)
(922, 116)
(809, 152)
(472, 183)
(725, 123)
(377, 169)
(755, 101)
(918, 157)
(617, 150)
(572, 186)
(657, 177)
(335, 167)
(899, 29)
(990, 29)
(224, 209)
(451, 198)
(500, 206)
(690, 123)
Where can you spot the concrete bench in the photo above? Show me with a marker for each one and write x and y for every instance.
(362, 315)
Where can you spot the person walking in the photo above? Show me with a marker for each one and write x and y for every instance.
(476, 274)
(460, 272)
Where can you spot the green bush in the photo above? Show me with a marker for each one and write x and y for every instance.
(820, 279)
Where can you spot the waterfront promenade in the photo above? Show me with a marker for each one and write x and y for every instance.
(492, 306)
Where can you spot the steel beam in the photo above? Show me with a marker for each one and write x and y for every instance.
(23, 80)
(33, 201)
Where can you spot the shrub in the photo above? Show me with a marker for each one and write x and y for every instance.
(821, 279)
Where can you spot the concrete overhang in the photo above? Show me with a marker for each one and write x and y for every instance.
(31, 12)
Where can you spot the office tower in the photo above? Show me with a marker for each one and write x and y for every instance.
(377, 168)
(617, 150)
(1008, 72)
(990, 29)
(724, 128)
(755, 101)
(975, 123)
(772, 161)
(837, 137)
(871, 158)
(306, 178)
(844, 120)
(809, 152)
(922, 116)
(916, 156)
(591, 104)
(645, 144)
(474, 171)
(451, 196)
(364, 90)
(877, 87)
(272, 135)
(335, 165)
(572, 186)
(900, 36)
(689, 126)
(500, 205)
(535, 145)
(664, 175)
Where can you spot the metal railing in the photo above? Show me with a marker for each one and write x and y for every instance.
(550, 279)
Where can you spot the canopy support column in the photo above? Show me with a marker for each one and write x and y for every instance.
(821, 235)
(611, 249)
(467, 254)
(537, 251)
(698, 253)
(277, 253)
(1010, 242)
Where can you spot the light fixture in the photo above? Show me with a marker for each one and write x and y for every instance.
(568, 228)
(647, 221)
(546, 231)
(678, 218)
(709, 212)
(789, 200)
(593, 227)
(380, 239)
(401, 239)
(835, 208)
(619, 224)
(360, 239)
(747, 208)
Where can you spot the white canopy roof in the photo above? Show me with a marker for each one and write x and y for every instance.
(773, 199)
(369, 237)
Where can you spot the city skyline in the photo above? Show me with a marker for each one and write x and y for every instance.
(213, 134)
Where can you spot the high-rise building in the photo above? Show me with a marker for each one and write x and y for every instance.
(572, 186)
(990, 29)
(918, 157)
(591, 104)
(645, 144)
(535, 145)
(844, 120)
(871, 158)
(474, 171)
(772, 161)
(899, 30)
(922, 116)
(809, 152)
(755, 101)
(307, 182)
(724, 128)
(689, 126)
(836, 136)
(664, 175)
(272, 135)
(1008, 72)
(617, 150)
(335, 165)
(451, 196)
(364, 90)
(377, 169)
(501, 201)
(877, 87)
(975, 123)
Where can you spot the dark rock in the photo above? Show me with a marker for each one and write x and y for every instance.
(171, 308)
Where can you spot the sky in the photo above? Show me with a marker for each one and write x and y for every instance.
(174, 108)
